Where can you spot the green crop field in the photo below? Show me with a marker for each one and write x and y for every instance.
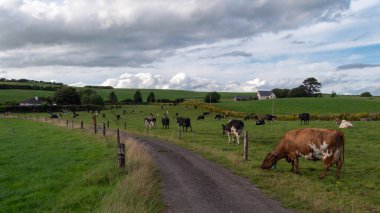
(45, 168)
(325, 105)
(358, 189)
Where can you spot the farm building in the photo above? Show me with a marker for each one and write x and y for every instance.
(265, 95)
(31, 102)
(243, 98)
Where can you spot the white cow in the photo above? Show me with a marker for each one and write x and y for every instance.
(344, 124)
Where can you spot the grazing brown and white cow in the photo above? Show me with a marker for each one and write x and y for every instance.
(233, 127)
(313, 144)
(150, 122)
(343, 124)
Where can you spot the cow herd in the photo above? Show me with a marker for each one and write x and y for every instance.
(311, 143)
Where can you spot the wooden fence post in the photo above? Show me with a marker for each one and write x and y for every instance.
(67, 122)
(246, 145)
(104, 129)
(94, 120)
(125, 125)
(121, 155)
(108, 124)
(179, 133)
(118, 136)
(81, 124)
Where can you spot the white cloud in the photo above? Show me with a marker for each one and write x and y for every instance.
(180, 81)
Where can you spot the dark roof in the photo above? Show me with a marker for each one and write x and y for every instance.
(243, 97)
(265, 93)
(32, 101)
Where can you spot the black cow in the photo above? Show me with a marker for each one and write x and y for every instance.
(200, 117)
(53, 116)
(269, 117)
(185, 123)
(104, 115)
(218, 116)
(233, 127)
(118, 117)
(206, 113)
(165, 122)
(304, 117)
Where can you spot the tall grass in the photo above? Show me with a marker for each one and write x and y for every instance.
(46, 168)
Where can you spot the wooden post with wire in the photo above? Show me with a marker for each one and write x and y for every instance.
(246, 145)
(81, 124)
(104, 129)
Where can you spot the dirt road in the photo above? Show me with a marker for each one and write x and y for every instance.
(193, 184)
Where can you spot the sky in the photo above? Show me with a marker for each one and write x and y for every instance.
(213, 45)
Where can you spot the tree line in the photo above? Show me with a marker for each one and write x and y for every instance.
(87, 96)
(310, 88)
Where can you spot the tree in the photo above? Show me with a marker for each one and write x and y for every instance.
(137, 98)
(151, 98)
(66, 96)
(89, 96)
(212, 97)
(333, 94)
(281, 93)
(312, 86)
(112, 98)
(298, 92)
(366, 94)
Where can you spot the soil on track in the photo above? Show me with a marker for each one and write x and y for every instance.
(193, 184)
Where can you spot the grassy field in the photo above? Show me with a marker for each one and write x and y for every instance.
(19, 95)
(324, 105)
(358, 189)
(45, 168)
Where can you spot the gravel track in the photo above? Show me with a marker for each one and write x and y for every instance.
(193, 184)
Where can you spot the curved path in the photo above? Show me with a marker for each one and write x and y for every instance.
(193, 184)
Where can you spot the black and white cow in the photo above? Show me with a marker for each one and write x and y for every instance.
(260, 122)
(233, 127)
(165, 122)
(185, 123)
(150, 122)
(304, 117)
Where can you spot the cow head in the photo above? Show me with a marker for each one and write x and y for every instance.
(269, 161)
(338, 121)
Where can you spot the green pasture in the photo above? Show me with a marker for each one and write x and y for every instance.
(45, 168)
(18, 95)
(358, 189)
(164, 94)
(324, 105)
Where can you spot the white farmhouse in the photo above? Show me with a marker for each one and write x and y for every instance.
(31, 102)
(261, 95)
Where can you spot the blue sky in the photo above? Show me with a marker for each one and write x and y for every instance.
(216, 45)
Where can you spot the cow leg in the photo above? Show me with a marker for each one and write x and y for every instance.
(229, 139)
(296, 165)
(338, 167)
(326, 167)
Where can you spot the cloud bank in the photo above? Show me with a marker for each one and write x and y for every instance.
(180, 81)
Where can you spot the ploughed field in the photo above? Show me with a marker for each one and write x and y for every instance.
(45, 168)
(358, 189)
